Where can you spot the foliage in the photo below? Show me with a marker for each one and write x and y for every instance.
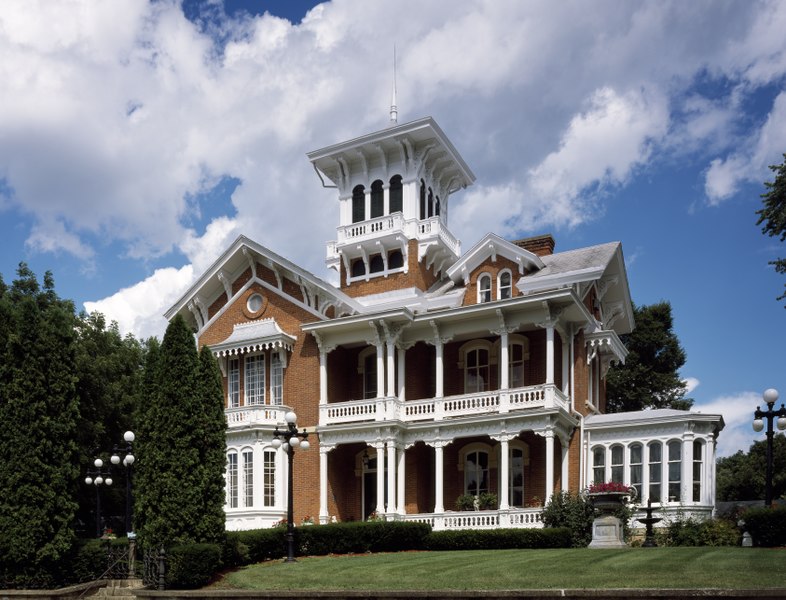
(465, 502)
(498, 539)
(741, 475)
(191, 566)
(487, 501)
(571, 511)
(695, 532)
(483, 501)
(38, 412)
(175, 489)
(773, 213)
(767, 526)
(260, 545)
(609, 487)
(650, 376)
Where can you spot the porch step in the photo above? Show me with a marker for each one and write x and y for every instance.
(119, 588)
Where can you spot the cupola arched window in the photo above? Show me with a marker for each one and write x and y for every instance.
(436, 207)
(422, 199)
(376, 264)
(377, 199)
(396, 194)
(358, 204)
(430, 203)
(358, 268)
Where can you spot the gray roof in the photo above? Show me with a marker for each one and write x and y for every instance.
(576, 260)
(655, 414)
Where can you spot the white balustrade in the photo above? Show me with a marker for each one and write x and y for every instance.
(255, 414)
(517, 518)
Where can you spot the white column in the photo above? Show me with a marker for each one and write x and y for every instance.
(440, 369)
(504, 474)
(380, 370)
(439, 477)
(686, 483)
(391, 497)
(323, 376)
(645, 474)
(401, 498)
(549, 435)
(323, 483)
(708, 486)
(565, 464)
(565, 367)
(380, 447)
(367, 204)
(504, 369)
(391, 370)
(386, 198)
(550, 354)
(402, 374)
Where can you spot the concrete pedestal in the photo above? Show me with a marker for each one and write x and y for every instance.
(607, 533)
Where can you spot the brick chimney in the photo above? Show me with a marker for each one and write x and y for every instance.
(540, 244)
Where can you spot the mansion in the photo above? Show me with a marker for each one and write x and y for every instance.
(430, 375)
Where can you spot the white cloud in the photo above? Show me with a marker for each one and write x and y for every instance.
(691, 383)
(737, 410)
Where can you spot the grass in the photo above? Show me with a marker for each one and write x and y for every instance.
(688, 568)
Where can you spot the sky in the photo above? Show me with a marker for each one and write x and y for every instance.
(138, 139)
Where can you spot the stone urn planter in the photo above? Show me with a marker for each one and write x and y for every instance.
(606, 528)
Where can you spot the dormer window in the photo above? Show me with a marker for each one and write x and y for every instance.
(358, 204)
(484, 288)
(377, 199)
(504, 285)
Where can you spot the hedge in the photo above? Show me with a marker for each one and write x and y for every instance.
(498, 539)
(192, 565)
(767, 526)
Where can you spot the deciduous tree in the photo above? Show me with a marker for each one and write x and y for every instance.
(772, 216)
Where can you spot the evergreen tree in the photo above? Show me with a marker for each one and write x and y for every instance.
(650, 376)
(38, 412)
(773, 213)
(212, 446)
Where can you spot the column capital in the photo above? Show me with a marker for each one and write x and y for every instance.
(326, 448)
(438, 338)
(438, 443)
(504, 328)
(322, 344)
(504, 437)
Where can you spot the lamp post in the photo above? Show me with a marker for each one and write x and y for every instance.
(98, 477)
(770, 397)
(289, 439)
(128, 462)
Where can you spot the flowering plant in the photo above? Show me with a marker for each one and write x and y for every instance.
(108, 535)
(609, 487)
(308, 520)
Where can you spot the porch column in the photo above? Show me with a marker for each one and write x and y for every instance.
(380, 448)
(391, 370)
(401, 498)
(391, 498)
(402, 355)
(549, 435)
(686, 476)
(708, 486)
(550, 354)
(380, 369)
(504, 472)
(439, 475)
(565, 365)
(440, 369)
(645, 474)
(565, 464)
(323, 482)
(504, 361)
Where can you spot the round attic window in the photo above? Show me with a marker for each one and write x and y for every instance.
(255, 303)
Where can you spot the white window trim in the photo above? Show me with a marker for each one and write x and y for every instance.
(499, 284)
(480, 278)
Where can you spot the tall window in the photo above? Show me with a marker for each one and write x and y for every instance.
(599, 465)
(370, 376)
(517, 354)
(635, 457)
(395, 260)
(484, 288)
(504, 285)
(617, 463)
(358, 204)
(377, 199)
(276, 379)
(476, 371)
(516, 476)
(655, 466)
(269, 478)
(255, 379)
(430, 203)
(233, 383)
(232, 479)
(422, 199)
(248, 478)
(698, 447)
(476, 473)
(396, 194)
(436, 207)
(675, 470)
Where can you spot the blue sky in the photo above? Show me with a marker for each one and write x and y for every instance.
(138, 139)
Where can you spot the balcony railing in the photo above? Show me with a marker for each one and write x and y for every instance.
(519, 518)
(425, 230)
(261, 414)
(438, 409)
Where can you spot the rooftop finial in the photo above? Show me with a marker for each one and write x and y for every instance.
(393, 107)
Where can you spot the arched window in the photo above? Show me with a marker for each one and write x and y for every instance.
(504, 285)
(484, 288)
(395, 260)
(422, 200)
(436, 207)
(518, 354)
(675, 470)
(367, 367)
(635, 456)
(476, 472)
(617, 463)
(376, 264)
(358, 268)
(358, 204)
(231, 481)
(255, 379)
(656, 471)
(430, 203)
(396, 194)
(377, 199)
(698, 463)
(269, 478)
(476, 370)
(598, 464)
(233, 383)
(248, 477)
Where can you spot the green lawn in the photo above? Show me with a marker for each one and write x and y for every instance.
(730, 568)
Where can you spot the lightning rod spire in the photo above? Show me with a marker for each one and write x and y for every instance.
(393, 107)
